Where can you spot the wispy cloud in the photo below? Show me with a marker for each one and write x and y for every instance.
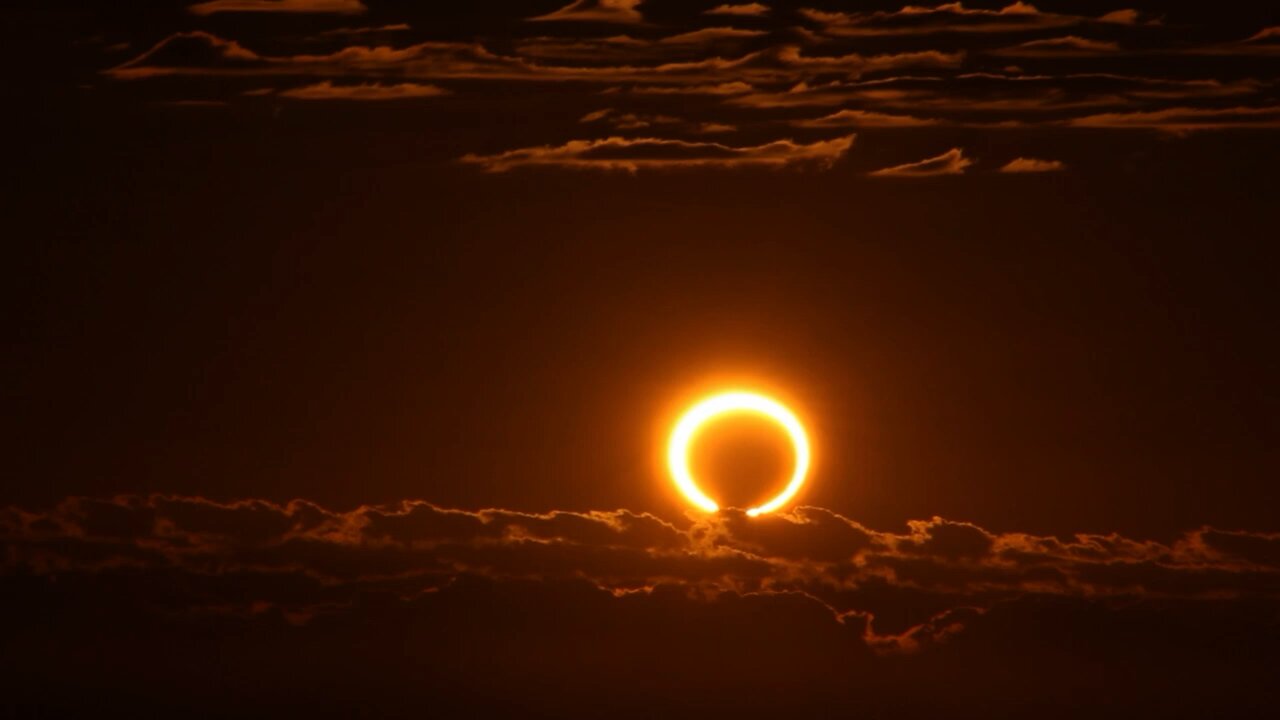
(740, 10)
(632, 154)
(1032, 165)
(1184, 120)
(629, 120)
(1264, 43)
(1069, 46)
(726, 89)
(863, 118)
(326, 90)
(710, 35)
(954, 17)
(201, 53)
(602, 11)
(363, 31)
(340, 7)
(951, 162)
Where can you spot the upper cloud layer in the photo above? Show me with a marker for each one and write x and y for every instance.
(988, 69)
(201, 53)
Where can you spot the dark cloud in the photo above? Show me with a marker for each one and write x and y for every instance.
(809, 548)
(381, 603)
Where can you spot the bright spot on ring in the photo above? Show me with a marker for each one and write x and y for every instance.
(712, 408)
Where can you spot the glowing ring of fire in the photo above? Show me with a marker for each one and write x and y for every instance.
(696, 417)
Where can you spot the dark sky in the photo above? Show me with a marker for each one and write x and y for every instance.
(1015, 266)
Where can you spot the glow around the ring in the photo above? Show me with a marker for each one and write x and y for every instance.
(704, 411)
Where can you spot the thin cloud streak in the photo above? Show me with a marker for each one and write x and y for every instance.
(955, 17)
(1069, 46)
(739, 10)
(863, 118)
(600, 11)
(1184, 120)
(338, 7)
(951, 162)
(1032, 165)
(633, 154)
(363, 92)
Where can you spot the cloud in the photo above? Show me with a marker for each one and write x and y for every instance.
(625, 48)
(863, 118)
(740, 10)
(714, 128)
(190, 53)
(364, 91)
(1013, 94)
(613, 48)
(727, 88)
(1069, 46)
(1032, 165)
(629, 121)
(855, 64)
(624, 121)
(314, 608)
(711, 35)
(632, 154)
(361, 31)
(954, 17)
(845, 565)
(200, 53)
(342, 7)
(601, 11)
(1184, 120)
(1265, 42)
(951, 162)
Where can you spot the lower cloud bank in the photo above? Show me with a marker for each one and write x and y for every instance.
(164, 603)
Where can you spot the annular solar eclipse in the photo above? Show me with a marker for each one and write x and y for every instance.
(716, 407)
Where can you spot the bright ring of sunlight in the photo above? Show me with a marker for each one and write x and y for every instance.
(697, 417)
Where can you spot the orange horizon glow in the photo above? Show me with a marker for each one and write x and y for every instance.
(735, 401)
